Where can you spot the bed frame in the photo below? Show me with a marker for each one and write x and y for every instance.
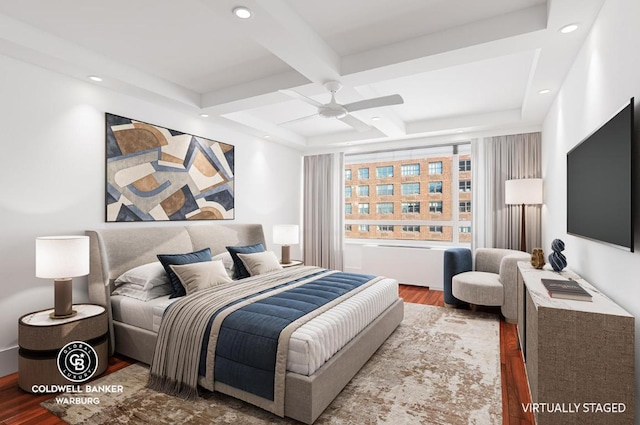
(116, 250)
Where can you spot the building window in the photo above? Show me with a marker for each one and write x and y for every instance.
(435, 229)
(465, 165)
(363, 190)
(410, 207)
(465, 185)
(435, 187)
(363, 173)
(385, 228)
(435, 167)
(348, 209)
(412, 228)
(347, 191)
(363, 227)
(384, 208)
(347, 174)
(363, 208)
(384, 172)
(411, 170)
(410, 188)
(465, 229)
(384, 189)
(435, 207)
(465, 206)
(347, 227)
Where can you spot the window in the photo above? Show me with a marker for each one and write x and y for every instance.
(363, 208)
(435, 229)
(363, 227)
(410, 170)
(435, 207)
(435, 167)
(347, 227)
(410, 207)
(465, 206)
(347, 191)
(363, 173)
(465, 185)
(348, 209)
(465, 165)
(412, 228)
(363, 190)
(435, 187)
(384, 189)
(411, 188)
(384, 172)
(385, 228)
(465, 229)
(384, 208)
(347, 174)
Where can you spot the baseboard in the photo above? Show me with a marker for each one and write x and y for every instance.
(8, 361)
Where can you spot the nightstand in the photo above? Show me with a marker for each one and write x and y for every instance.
(293, 263)
(41, 338)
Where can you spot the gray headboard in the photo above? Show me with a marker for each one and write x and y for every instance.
(117, 249)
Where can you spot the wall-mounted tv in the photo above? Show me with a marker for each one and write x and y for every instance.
(599, 183)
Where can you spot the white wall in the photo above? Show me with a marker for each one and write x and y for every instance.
(606, 73)
(52, 177)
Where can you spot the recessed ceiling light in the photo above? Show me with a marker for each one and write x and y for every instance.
(242, 12)
(544, 91)
(375, 118)
(568, 28)
(266, 136)
(459, 131)
(95, 78)
(204, 115)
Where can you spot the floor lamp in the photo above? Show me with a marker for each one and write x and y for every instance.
(523, 192)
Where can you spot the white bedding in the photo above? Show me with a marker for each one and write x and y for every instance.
(311, 345)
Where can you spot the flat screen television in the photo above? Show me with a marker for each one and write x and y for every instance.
(599, 183)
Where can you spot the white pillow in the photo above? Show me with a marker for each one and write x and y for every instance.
(226, 259)
(198, 276)
(147, 275)
(133, 290)
(260, 262)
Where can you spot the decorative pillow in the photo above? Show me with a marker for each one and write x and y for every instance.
(147, 275)
(198, 276)
(241, 271)
(226, 259)
(133, 290)
(168, 260)
(261, 262)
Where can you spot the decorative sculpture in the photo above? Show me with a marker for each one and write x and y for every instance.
(557, 260)
(537, 258)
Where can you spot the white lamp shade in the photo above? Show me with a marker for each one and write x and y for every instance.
(523, 191)
(286, 234)
(60, 257)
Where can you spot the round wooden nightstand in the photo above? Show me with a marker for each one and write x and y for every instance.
(41, 338)
(293, 263)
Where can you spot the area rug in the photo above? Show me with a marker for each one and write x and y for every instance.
(441, 366)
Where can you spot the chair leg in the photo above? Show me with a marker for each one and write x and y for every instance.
(473, 307)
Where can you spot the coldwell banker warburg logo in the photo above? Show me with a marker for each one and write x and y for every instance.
(77, 361)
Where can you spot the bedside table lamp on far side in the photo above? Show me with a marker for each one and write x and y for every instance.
(286, 235)
(61, 258)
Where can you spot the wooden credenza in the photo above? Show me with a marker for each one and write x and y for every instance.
(579, 355)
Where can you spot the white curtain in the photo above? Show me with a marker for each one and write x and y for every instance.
(323, 206)
(496, 160)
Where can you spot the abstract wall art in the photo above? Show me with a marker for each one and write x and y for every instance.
(157, 174)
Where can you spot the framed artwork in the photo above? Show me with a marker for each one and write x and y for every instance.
(157, 174)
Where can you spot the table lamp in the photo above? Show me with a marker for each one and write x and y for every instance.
(286, 235)
(62, 258)
(523, 192)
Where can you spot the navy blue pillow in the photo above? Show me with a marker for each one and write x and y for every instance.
(179, 259)
(241, 270)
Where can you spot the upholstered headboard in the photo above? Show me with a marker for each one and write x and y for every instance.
(117, 249)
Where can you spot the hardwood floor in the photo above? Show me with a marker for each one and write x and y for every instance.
(20, 408)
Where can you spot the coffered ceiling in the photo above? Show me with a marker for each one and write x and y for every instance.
(461, 66)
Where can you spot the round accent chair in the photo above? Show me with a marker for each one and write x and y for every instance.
(492, 282)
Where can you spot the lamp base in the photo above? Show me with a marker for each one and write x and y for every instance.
(62, 299)
(286, 254)
(66, 316)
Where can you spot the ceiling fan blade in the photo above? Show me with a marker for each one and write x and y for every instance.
(299, 119)
(354, 122)
(376, 102)
(296, 95)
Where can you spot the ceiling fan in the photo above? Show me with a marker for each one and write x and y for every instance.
(342, 112)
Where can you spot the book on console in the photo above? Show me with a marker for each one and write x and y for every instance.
(566, 289)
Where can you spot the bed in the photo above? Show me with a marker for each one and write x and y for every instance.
(311, 383)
